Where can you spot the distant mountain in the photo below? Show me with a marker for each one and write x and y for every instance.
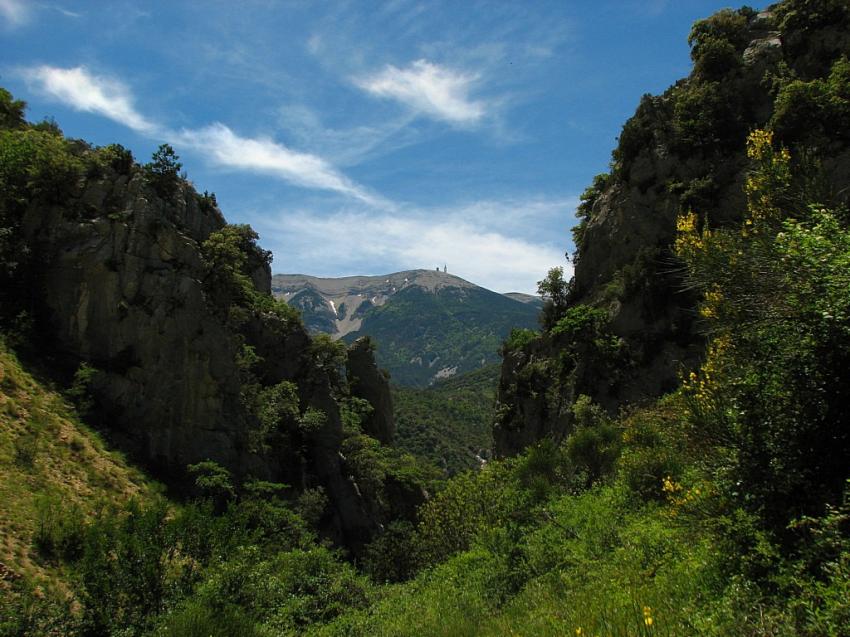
(531, 299)
(428, 325)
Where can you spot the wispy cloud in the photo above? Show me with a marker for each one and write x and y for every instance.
(428, 89)
(264, 155)
(67, 12)
(84, 91)
(15, 12)
(350, 145)
(356, 242)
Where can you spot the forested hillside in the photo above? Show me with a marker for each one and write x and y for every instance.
(674, 445)
(449, 424)
(427, 325)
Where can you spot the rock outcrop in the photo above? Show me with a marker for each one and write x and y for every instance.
(370, 384)
(121, 285)
(683, 150)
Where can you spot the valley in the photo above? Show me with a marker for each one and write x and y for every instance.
(657, 444)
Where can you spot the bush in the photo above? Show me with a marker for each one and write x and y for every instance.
(11, 111)
(122, 569)
(771, 389)
(117, 157)
(594, 446)
(288, 591)
(518, 339)
(725, 26)
(60, 530)
(815, 113)
(555, 291)
(197, 620)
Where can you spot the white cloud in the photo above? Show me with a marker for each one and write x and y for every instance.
(355, 242)
(15, 12)
(345, 146)
(83, 91)
(263, 155)
(67, 13)
(429, 89)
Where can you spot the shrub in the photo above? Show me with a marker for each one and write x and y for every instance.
(518, 339)
(555, 291)
(726, 26)
(11, 111)
(117, 157)
(770, 389)
(815, 113)
(60, 530)
(288, 591)
(213, 481)
(194, 619)
(594, 446)
(81, 391)
(122, 569)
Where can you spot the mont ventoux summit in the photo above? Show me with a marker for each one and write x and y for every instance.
(660, 445)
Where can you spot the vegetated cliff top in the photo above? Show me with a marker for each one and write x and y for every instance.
(128, 271)
(784, 69)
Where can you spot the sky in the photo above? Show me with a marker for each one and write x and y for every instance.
(362, 137)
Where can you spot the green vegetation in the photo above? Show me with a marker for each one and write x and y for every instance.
(163, 171)
(449, 423)
(421, 332)
(555, 290)
(55, 474)
(721, 508)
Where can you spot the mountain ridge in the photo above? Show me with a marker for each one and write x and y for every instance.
(428, 324)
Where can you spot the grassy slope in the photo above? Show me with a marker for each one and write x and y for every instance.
(47, 455)
(450, 422)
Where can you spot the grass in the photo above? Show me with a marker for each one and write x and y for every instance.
(48, 456)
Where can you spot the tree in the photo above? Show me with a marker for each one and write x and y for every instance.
(163, 171)
(11, 111)
(556, 290)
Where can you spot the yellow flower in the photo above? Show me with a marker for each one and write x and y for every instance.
(759, 143)
(647, 620)
(579, 632)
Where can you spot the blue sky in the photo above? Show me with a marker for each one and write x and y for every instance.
(363, 137)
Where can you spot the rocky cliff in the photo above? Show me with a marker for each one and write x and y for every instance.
(683, 150)
(185, 354)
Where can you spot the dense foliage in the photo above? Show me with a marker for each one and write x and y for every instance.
(449, 423)
(456, 330)
(722, 508)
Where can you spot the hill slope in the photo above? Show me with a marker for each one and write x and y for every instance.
(428, 325)
(49, 460)
(450, 422)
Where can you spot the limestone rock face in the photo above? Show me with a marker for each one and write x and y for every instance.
(121, 287)
(367, 382)
(123, 291)
(532, 405)
(626, 264)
